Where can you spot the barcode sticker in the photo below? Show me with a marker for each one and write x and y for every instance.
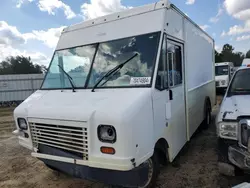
(140, 80)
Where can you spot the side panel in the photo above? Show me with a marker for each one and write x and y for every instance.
(200, 75)
(199, 55)
(175, 24)
(196, 98)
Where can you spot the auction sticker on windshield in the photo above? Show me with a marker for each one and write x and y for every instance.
(140, 80)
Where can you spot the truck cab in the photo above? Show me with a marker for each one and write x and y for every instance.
(233, 123)
(223, 73)
(123, 94)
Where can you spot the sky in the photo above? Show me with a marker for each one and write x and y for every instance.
(32, 27)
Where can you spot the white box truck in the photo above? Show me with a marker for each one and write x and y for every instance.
(123, 94)
(223, 73)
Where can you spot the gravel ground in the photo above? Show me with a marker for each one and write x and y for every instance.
(195, 166)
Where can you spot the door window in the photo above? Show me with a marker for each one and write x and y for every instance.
(162, 73)
(175, 64)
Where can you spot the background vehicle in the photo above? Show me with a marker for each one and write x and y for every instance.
(233, 124)
(223, 73)
(120, 96)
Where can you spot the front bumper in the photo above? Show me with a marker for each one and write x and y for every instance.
(239, 157)
(67, 164)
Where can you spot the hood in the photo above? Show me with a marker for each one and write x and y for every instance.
(222, 77)
(79, 106)
(237, 105)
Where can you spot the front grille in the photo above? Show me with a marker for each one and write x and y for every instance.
(244, 135)
(70, 139)
(244, 132)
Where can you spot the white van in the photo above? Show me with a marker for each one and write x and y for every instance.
(123, 94)
(223, 74)
(233, 123)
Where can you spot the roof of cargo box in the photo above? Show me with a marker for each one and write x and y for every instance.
(120, 15)
(129, 13)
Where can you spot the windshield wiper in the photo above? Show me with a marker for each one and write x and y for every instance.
(118, 67)
(69, 77)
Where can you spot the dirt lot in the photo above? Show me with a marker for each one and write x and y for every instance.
(196, 166)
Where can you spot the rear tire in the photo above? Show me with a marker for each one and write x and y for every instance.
(154, 169)
(208, 117)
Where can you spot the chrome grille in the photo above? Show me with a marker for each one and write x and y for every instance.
(69, 139)
(244, 133)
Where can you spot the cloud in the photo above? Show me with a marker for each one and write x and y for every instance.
(97, 8)
(20, 2)
(36, 57)
(204, 27)
(242, 38)
(51, 6)
(216, 18)
(190, 2)
(218, 48)
(238, 9)
(12, 41)
(237, 29)
(9, 35)
(223, 34)
(49, 37)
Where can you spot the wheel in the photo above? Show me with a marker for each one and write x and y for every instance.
(154, 168)
(224, 165)
(208, 117)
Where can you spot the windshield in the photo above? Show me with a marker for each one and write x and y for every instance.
(88, 64)
(240, 84)
(221, 70)
(76, 62)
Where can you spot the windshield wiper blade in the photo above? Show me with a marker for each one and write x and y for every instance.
(118, 67)
(69, 77)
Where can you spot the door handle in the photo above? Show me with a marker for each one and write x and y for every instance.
(170, 95)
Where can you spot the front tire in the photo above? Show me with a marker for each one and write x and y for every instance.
(153, 172)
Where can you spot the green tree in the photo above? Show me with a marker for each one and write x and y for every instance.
(248, 54)
(218, 57)
(228, 55)
(20, 65)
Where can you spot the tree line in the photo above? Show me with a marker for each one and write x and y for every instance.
(24, 65)
(228, 54)
(20, 65)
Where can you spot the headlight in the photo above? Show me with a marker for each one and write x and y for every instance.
(106, 133)
(228, 130)
(223, 82)
(22, 124)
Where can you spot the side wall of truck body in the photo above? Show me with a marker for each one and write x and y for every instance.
(200, 75)
(198, 65)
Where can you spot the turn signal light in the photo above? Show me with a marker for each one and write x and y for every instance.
(248, 65)
(108, 150)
